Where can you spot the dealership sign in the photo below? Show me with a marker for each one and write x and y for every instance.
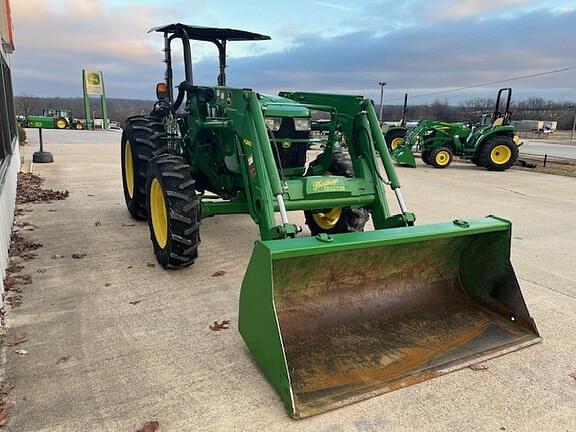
(93, 82)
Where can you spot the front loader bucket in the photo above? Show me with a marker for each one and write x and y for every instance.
(404, 157)
(331, 323)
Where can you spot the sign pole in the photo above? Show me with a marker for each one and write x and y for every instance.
(87, 114)
(104, 105)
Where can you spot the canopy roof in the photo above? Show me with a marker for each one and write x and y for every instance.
(210, 33)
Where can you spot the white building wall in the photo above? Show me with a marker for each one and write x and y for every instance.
(7, 204)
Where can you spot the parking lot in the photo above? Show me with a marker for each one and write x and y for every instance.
(115, 341)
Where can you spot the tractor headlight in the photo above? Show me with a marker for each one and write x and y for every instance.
(273, 123)
(429, 132)
(302, 124)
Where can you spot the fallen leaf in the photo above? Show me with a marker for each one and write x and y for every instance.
(29, 189)
(78, 255)
(41, 271)
(91, 195)
(107, 284)
(62, 359)
(52, 210)
(4, 411)
(129, 267)
(150, 265)
(135, 302)
(151, 426)
(17, 340)
(224, 325)
(97, 223)
(6, 388)
(14, 268)
(478, 367)
(218, 273)
(572, 375)
(21, 352)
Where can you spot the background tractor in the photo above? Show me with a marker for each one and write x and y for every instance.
(341, 314)
(395, 134)
(53, 119)
(491, 144)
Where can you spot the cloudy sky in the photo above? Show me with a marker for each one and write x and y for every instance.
(422, 47)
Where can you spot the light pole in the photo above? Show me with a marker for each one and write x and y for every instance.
(381, 84)
(573, 127)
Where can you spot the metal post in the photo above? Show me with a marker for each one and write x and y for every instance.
(104, 105)
(573, 127)
(89, 122)
(42, 156)
(381, 84)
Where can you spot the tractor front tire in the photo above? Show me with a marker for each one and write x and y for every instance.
(337, 220)
(498, 153)
(441, 157)
(61, 123)
(395, 139)
(425, 156)
(173, 211)
(142, 139)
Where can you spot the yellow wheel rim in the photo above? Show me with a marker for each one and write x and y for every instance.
(158, 213)
(500, 154)
(442, 158)
(329, 219)
(129, 169)
(61, 124)
(396, 142)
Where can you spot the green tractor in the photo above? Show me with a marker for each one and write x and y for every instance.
(340, 314)
(53, 119)
(491, 144)
(396, 134)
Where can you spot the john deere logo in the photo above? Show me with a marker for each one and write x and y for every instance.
(93, 78)
(286, 143)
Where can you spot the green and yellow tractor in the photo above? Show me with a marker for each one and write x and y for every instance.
(53, 119)
(492, 143)
(336, 314)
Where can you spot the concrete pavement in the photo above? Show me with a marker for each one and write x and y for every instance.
(115, 341)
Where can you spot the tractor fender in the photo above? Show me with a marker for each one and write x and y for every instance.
(507, 130)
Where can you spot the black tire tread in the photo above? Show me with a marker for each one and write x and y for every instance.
(173, 173)
(486, 149)
(147, 138)
(433, 153)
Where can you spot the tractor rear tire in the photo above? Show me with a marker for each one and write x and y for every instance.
(337, 220)
(498, 153)
(395, 139)
(441, 157)
(173, 211)
(142, 139)
(476, 161)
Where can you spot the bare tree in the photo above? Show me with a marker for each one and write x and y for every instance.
(27, 104)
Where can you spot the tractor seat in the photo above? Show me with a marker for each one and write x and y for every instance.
(498, 122)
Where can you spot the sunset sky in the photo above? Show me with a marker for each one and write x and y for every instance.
(417, 46)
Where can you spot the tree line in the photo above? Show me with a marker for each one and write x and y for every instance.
(533, 108)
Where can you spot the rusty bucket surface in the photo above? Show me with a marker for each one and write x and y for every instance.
(377, 311)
